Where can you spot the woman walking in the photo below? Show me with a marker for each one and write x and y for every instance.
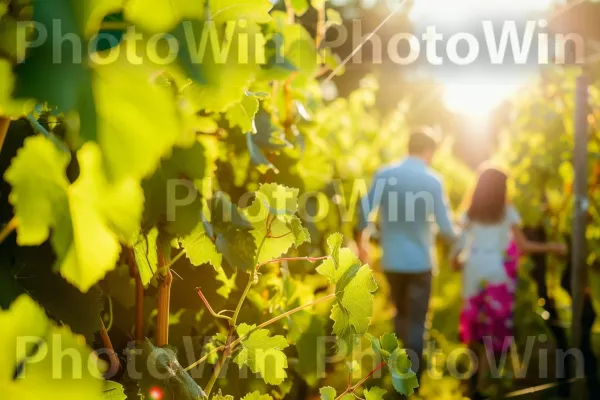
(491, 242)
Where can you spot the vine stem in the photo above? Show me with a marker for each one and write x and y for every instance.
(164, 300)
(203, 358)
(309, 259)
(351, 389)
(281, 316)
(234, 343)
(4, 124)
(139, 296)
(115, 365)
(210, 309)
(8, 228)
(320, 35)
(232, 322)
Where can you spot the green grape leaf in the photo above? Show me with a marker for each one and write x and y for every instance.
(224, 213)
(200, 249)
(374, 393)
(64, 83)
(263, 354)
(39, 189)
(404, 379)
(354, 288)
(300, 6)
(162, 370)
(229, 57)
(162, 16)
(237, 247)
(28, 370)
(138, 119)
(90, 217)
(146, 255)
(223, 11)
(256, 395)
(276, 227)
(172, 198)
(242, 114)
(114, 391)
(329, 393)
(87, 242)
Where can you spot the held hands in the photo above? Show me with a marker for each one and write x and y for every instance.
(560, 249)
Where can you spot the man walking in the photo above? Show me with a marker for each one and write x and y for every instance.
(410, 197)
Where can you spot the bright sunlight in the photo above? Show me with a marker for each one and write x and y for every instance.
(475, 98)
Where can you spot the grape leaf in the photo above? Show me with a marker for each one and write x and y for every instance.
(89, 217)
(374, 393)
(172, 199)
(237, 247)
(64, 83)
(387, 347)
(329, 393)
(200, 249)
(257, 396)
(138, 120)
(229, 57)
(101, 215)
(242, 114)
(223, 11)
(275, 226)
(39, 189)
(114, 391)
(161, 16)
(262, 354)
(146, 255)
(354, 288)
(224, 213)
(28, 370)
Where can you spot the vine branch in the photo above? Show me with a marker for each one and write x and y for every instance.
(276, 260)
(210, 309)
(115, 365)
(351, 389)
(164, 299)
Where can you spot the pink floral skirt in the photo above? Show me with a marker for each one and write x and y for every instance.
(487, 317)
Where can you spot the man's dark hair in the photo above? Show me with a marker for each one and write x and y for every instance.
(422, 140)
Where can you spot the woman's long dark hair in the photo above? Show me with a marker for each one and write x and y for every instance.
(488, 203)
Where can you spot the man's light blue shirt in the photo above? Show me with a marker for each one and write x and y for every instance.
(411, 200)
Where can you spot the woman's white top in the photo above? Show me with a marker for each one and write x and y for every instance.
(483, 247)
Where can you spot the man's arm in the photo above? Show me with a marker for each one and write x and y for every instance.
(442, 213)
(365, 209)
